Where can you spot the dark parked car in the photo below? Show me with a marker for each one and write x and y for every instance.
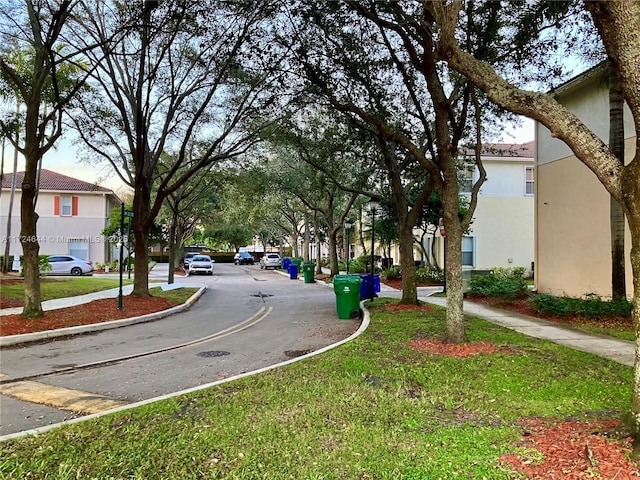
(244, 258)
(187, 258)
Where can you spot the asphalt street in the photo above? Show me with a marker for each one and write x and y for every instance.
(247, 319)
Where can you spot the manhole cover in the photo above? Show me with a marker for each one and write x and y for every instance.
(296, 353)
(213, 353)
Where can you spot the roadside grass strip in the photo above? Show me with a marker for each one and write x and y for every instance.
(371, 408)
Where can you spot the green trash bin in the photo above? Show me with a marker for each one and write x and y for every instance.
(347, 290)
(307, 270)
(297, 261)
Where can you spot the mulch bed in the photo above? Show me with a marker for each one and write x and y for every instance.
(97, 311)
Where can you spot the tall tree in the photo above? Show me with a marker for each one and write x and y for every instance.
(181, 73)
(37, 27)
(377, 64)
(618, 23)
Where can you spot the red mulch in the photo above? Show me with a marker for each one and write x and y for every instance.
(93, 312)
(456, 350)
(574, 450)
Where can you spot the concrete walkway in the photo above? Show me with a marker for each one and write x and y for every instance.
(621, 351)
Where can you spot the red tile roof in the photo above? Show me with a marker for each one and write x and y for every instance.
(509, 150)
(55, 181)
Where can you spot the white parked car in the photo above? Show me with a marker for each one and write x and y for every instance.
(200, 264)
(68, 265)
(270, 260)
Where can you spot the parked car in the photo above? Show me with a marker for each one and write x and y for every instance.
(200, 264)
(68, 265)
(187, 258)
(270, 260)
(244, 258)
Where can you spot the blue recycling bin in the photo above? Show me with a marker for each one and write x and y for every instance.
(293, 271)
(285, 263)
(365, 286)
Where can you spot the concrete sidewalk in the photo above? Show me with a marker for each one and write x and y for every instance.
(618, 350)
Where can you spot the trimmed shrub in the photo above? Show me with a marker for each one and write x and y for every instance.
(357, 266)
(392, 273)
(429, 275)
(503, 283)
(592, 306)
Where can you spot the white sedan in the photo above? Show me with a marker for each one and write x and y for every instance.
(200, 264)
(67, 265)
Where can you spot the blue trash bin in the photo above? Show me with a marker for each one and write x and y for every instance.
(293, 271)
(365, 286)
(285, 263)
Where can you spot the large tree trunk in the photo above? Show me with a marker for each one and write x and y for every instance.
(453, 264)
(141, 226)
(29, 240)
(408, 266)
(616, 214)
(619, 26)
(333, 253)
(172, 249)
(634, 225)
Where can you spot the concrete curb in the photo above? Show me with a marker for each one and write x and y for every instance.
(13, 340)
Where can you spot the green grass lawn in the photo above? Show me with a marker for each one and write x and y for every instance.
(371, 409)
(52, 288)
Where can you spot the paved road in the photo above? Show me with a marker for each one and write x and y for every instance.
(252, 319)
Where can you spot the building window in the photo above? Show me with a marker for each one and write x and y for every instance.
(79, 249)
(529, 181)
(468, 251)
(65, 205)
(466, 179)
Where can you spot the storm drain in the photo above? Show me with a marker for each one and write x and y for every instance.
(262, 295)
(296, 353)
(213, 353)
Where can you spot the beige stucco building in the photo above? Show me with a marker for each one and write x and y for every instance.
(72, 214)
(502, 232)
(573, 240)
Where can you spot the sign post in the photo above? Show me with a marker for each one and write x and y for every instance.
(443, 234)
(128, 214)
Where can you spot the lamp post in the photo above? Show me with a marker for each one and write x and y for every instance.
(120, 244)
(373, 205)
(348, 223)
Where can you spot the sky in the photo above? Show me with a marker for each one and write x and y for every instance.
(65, 159)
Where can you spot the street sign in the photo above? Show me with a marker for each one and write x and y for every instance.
(441, 226)
(128, 214)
